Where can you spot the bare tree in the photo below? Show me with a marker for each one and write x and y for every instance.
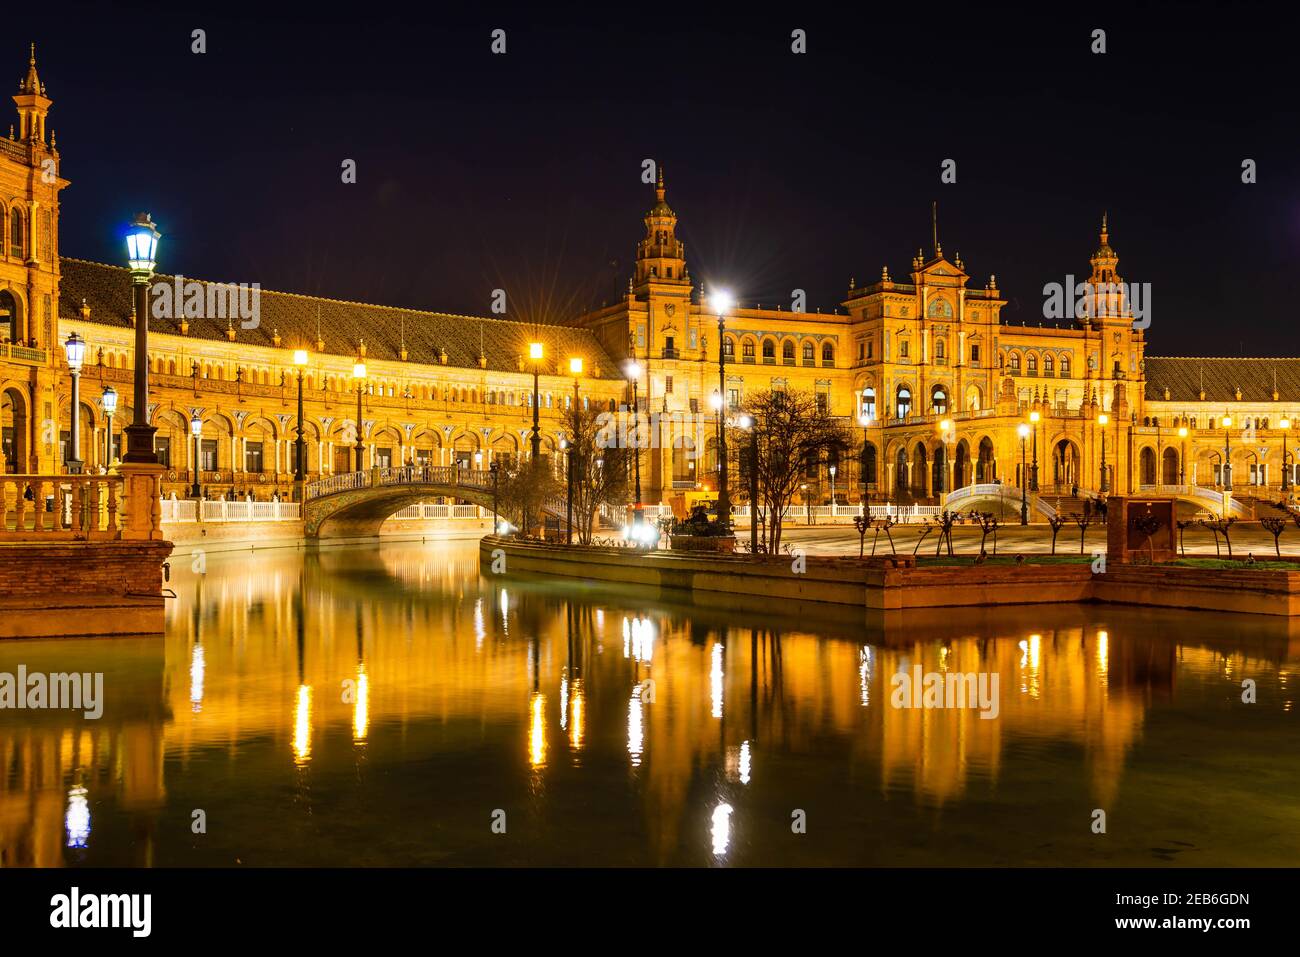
(792, 429)
(1274, 524)
(1057, 522)
(524, 490)
(600, 465)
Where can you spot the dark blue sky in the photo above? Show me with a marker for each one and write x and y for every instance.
(523, 171)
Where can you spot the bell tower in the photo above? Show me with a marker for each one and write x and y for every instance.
(660, 257)
(1106, 300)
(31, 365)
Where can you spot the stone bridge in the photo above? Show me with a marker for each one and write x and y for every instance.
(361, 501)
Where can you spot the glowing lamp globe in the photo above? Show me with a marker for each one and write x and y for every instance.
(142, 245)
(75, 349)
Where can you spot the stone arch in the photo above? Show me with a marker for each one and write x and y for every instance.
(961, 464)
(1169, 466)
(15, 429)
(1064, 468)
(985, 461)
(1147, 466)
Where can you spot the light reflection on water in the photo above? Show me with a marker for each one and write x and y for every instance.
(379, 705)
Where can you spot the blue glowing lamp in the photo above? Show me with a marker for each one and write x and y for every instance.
(142, 245)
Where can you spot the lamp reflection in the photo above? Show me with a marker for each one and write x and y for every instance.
(635, 727)
(721, 829)
(716, 679)
(537, 730)
(77, 818)
(361, 707)
(578, 716)
(302, 726)
(197, 668)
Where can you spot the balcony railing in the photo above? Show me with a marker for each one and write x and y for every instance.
(39, 508)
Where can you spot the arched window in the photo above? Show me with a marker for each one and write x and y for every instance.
(903, 404)
(1015, 362)
(868, 404)
(1049, 365)
(16, 233)
(1033, 364)
(940, 350)
(747, 349)
(828, 354)
(729, 347)
(787, 351)
(809, 352)
(939, 400)
(769, 349)
(1065, 366)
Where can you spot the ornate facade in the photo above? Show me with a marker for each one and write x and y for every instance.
(926, 361)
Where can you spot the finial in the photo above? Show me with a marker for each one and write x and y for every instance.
(934, 225)
(1104, 231)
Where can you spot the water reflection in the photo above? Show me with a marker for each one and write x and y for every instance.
(397, 699)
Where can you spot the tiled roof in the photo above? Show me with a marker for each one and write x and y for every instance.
(107, 291)
(1185, 377)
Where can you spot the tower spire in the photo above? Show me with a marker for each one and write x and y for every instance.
(934, 228)
(32, 103)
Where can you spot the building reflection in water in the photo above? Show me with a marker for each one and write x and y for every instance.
(286, 664)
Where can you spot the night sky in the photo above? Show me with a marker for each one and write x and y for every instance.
(523, 171)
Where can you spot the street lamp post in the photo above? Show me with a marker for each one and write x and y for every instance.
(721, 303)
(495, 469)
(110, 407)
(1023, 430)
(634, 373)
(196, 430)
(566, 447)
(535, 352)
(1033, 468)
(831, 469)
(1286, 479)
(1225, 474)
(1105, 479)
(750, 423)
(865, 421)
(807, 505)
(299, 446)
(142, 257)
(1182, 456)
(75, 348)
(575, 369)
(359, 377)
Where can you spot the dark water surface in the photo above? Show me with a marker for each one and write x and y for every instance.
(387, 704)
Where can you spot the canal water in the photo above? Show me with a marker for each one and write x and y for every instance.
(391, 705)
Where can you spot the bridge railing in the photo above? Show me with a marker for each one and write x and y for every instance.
(479, 479)
(342, 482)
